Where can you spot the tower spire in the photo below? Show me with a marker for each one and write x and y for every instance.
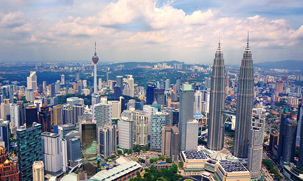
(219, 41)
(247, 39)
(95, 48)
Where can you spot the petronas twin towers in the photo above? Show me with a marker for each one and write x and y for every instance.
(245, 97)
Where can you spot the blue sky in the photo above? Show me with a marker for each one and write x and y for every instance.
(150, 30)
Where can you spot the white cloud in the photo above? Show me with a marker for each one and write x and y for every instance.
(142, 29)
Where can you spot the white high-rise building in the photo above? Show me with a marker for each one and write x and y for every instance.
(116, 109)
(192, 135)
(38, 171)
(29, 95)
(198, 102)
(52, 153)
(62, 79)
(126, 134)
(15, 118)
(140, 127)
(255, 150)
(147, 109)
(102, 113)
(100, 83)
(32, 81)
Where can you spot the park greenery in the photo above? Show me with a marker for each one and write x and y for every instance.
(153, 174)
(271, 168)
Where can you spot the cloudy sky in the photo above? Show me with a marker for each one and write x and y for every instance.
(150, 30)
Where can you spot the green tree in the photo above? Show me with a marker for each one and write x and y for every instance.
(168, 160)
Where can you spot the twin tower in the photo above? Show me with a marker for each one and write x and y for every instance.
(245, 97)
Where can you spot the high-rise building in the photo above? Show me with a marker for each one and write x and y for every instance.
(119, 80)
(68, 114)
(88, 136)
(178, 82)
(52, 153)
(100, 84)
(150, 94)
(78, 110)
(5, 133)
(57, 115)
(45, 118)
(32, 81)
(300, 118)
(150, 111)
(38, 171)
(21, 113)
(130, 82)
(287, 138)
(255, 150)
(140, 127)
(186, 112)
(158, 120)
(170, 142)
(167, 84)
(8, 169)
(62, 79)
(31, 115)
(160, 97)
(95, 96)
(273, 140)
(245, 103)
(57, 86)
(8, 93)
(198, 102)
(73, 148)
(102, 113)
(29, 149)
(126, 134)
(29, 95)
(15, 117)
(116, 109)
(192, 135)
(107, 140)
(65, 129)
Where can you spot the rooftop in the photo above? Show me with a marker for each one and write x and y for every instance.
(231, 166)
(195, 155)
(116, 172)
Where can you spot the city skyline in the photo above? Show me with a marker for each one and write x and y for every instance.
(149, 31)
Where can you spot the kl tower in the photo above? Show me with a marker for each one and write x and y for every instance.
(95, 96)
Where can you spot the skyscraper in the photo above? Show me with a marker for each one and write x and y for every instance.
(300, 118)
(170, 142)
(107, 140)
(32, 81)
(217, 96)
(186, 112)
(130, 82)
(256, 142)
(126, 133)
(150, 94)
(245, 99)
(287, 138)
(95, 96)
(29, 149)
(5, 133)
(158, 120)
(52, 153)
(45, 118)
(31, 115)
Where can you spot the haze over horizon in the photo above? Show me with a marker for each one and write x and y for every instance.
(150, 30)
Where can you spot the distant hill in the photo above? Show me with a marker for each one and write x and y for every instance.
(134, 64)
(284, 64)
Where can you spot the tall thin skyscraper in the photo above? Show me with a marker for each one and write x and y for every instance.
(95, 97)
(217, 96)
(245, 99)
(186, 112)
(300, 117)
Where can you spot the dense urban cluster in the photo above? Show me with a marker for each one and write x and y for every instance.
(151, 121)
